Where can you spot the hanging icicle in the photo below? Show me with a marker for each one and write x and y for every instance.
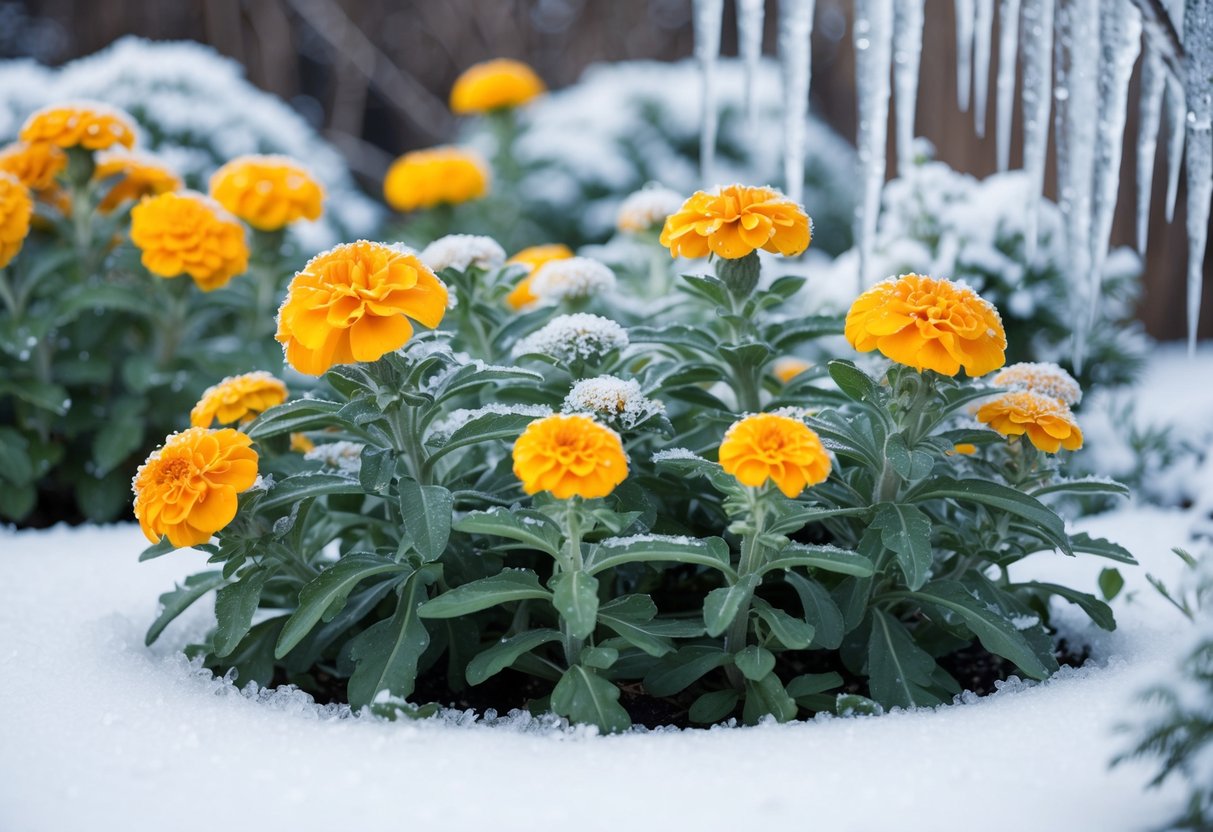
(1037, 99)
(1177, 114)
(795, 67)
(964, 51)
(1153, 82)
(750, 17)
(1198, 59)
(1008, 48)
(707, 22)
(873, 35)
(983, 24)
(907, 55)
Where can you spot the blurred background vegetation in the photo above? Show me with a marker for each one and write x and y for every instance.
(373, 75)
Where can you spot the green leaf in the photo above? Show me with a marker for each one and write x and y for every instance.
(253, 657)
(575, 596)
(633, 618)
(857, 384)
(292, 417)
(375, 469)
(1111, 582)
(157, 550)
(508, 585)
(1087, 545)
(17, 501)
(386, 654)
(801, 516)
(707, 287)
(40, 394)
(722, 605)
(789, 334)
(120, 435)
(852, 704)
(712, 552)
(675, 672)
(899, 671)
(1083, 487)
(530, 527)
(825, 558)
(1099, 612)
(754, 662)
(505, 652)
(486, 428)
(426, 510)
(906, 532)
(599, 658)
(811, 684)
(324, 595)
(176, 601)
(792, 633)
(820, 611)
(1051, 527)
(15, 464)
(766, 696)
(235, 605)
(585, 698)
(299, 487)
(713, 706)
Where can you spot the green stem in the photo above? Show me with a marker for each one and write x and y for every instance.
(9, 298)
(736, 635)
(573, 564)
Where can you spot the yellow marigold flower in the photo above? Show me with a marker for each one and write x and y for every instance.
(267, 192)
(36, 165)
(353, 303)
(88, 124)
(1047, 421)
(16, 208)
(301, 444)
(963, 448)
(570, 456)
(187, 233)
(787, 368)
(238, 399)
(186, 491)
(929, 324)
(135, 175)
(768, 446)
(734, 221)
(1041, 377)
(437, 176)
(495, 85)
(521, 295)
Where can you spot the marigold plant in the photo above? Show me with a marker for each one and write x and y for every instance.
(16, 208)
(90, 125)
(569, 456)
(36, 164)
(734, 221)
(1047, 421)
(521, 295)
(495, 85)
(437, 176)
(768, 447)
(267, 192)
(238, 399)
(131, 177)
(187, 233)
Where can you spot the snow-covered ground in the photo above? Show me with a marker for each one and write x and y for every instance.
(98, 732)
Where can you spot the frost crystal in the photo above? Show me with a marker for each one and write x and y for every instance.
(675, 453)
(800, 414)
(570, 279)
(346, 457)
(615, 399)
(1045, 378)
(461, 417)
(578, 337)
(647, 208)
(459, 251)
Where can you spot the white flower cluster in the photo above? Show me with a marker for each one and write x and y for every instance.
(578, 337)
(571, 279)
(346, 457)
(1045, 378)
(647, 208)
(616, 400)
(459, 251)
(461, 417)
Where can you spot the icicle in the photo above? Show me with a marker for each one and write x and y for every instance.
(1008, 47)
(1037, 98)
(1153, 82)
(1119, 46)
(1177, 114)
(795, 66)
(873, 35)
(1076, 60)
(1198, 52)
(983, 23)
(707, 21)
(907, 54)
(964, 51)
(750, 15)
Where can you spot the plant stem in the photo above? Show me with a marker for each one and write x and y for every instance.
(574, 565)
(735, 637)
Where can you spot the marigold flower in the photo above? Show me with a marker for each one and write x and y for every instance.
(735, 220)
(768, 446)
(88, 124)
(36, 165)
(495, 85)
(963, 448)
(1047, 421)
(353, 303)
(238, 399)
(437, 176)
(16, 208)
(1045, 378)
(521, 295)
(928, 323)
(647, 209)
(301, 443)
(187, 233)
(788, 367)
(136, 176)
(267, 192)
(570, 456)
(186, 490)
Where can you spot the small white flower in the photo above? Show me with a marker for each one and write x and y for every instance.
(569, 338)
(616, 400)
(647, 208)
(1041, 377)
(346, 457)
(572, 278)
(459, 251)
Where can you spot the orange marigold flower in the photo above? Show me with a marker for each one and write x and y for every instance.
(570, 456)
(16, 208)
(1047, 421)
(238, 399)
(301, 443)
(88, 124)
(768, 446)
(187, 233)
(353, 303)
(521, 295)
(1041, 377)
(963, 448)
(36, 165)
(267, 192)
(437, 176)
(787, 368)
(929, 324)
(734, 221)
(495, 85)
(186, 491)
(135, 175)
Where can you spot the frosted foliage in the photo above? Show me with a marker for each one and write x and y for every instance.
(459, 251)
(459, 418)
(1037, 101)
(346, 457)
(707, 21)
(196, 110)
(571, 338)
(907, 57)
(1008, 46)
(795, 69)
(1198, 44)
(571, 279)
(873, 34)
(1042, 377)
(618, 401)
